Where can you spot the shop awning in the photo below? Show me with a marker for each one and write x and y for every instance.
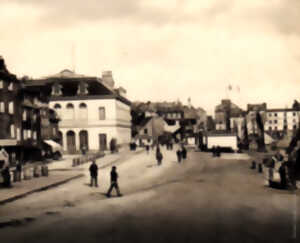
(56, 147)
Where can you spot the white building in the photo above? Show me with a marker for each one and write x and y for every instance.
(92, 112)
(282, 119)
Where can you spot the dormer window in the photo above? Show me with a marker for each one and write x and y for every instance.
(82, 88)
(56, 89)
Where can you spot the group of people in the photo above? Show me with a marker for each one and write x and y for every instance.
(113, 179)
(285, 166)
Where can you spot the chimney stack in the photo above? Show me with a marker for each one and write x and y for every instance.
(107, 79)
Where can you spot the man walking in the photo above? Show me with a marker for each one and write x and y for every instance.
(94, 174)
(178, 152)
(114, 182)
(159, 156)
(184, 153)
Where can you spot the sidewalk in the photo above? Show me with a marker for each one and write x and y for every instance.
(60, 172)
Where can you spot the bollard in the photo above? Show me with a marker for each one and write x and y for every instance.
(36, 171)
(253, 165)
(45, 171)
(260, 168)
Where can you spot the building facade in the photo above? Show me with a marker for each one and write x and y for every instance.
(282, 119)
(91, 110)
(21, 117)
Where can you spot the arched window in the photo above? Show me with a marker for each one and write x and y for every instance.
(57, 106)
(83, 114)
(69, 114)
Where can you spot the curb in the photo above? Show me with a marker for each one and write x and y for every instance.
(14, 198)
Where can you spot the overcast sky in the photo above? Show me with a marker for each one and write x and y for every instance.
(162, 50)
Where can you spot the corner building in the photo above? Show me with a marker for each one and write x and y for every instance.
(91, 110)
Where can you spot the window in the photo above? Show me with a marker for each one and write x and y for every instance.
(2, 106)
(29, 133)
(101, 113)
(275, 121)
(69, 112)
(24, 115)
(275, 128)
(295, 127)
(18, 134)
(57, 106)
(294, 113)
(270, 128)
(294, 120)
(54, 131)
(1, 84)
(11, 107)
(275, 114)
(83, 111)
(12, 131)
(34, 135)
(270, 114)
(11, 86)
(24, 134)
(145, 131)
(270, 122)
(285, 127)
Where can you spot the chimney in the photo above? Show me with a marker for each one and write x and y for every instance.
(107, 79)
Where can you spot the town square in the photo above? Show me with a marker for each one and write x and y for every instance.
(149, 121)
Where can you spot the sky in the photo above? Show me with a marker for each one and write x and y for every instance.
(162, 50)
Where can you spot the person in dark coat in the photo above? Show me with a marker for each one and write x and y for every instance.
(147, 148)
(113, 182)
(19, 170)
(6, 177)
(179, 155)
(94, 174)
(159, 156)
(184, 153)
(283, 175)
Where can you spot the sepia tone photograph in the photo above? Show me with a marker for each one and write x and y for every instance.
(147, 121)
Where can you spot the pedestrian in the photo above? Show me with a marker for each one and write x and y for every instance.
(114, 182)
(6, 177)
(19, 171)
(159, 157)
(213, 151)
(147, 148)
(184, 153)
(179, 155)
(283, 175)
(94, 174)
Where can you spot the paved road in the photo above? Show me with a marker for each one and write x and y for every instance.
(203, 199)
